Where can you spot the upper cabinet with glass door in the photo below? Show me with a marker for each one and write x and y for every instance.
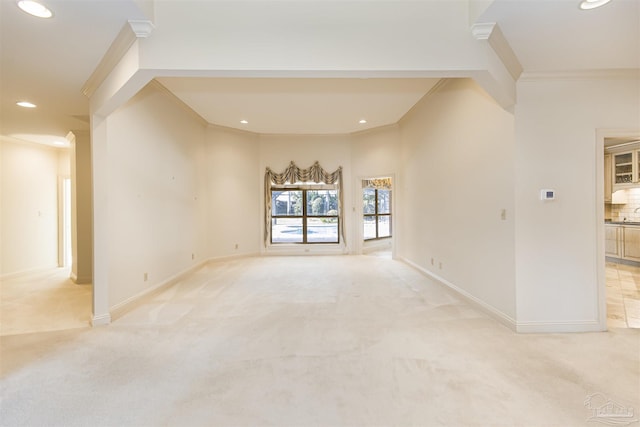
(623, 167)
(626, 167)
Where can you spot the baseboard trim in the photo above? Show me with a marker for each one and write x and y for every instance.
(232, 257)
(101, 320)
(559, 327)
(37, 270)
(80, 280)
(377, 245)
(285, 249)
(122, 307)
(496, 314)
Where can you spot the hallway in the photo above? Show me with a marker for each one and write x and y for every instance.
(331, 340)
(43, 301)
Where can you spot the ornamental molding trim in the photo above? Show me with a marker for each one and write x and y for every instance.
(141, 28)
(492, 34)
(610, 74)
(130, 32)
(483, 31)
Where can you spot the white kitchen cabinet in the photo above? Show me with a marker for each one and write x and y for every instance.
(612, 241)
(625, 167)
(631, 243)
(622, 242)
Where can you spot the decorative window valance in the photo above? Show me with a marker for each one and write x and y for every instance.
(294, 175)
(378, 183)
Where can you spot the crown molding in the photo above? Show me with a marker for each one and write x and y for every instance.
(130, 32)
(610, 74)
(162, 89)
(14, 140)
(43, 145)
(483, 31)
(381, 128)
(435, 89)
(141, 28)
(491, 33)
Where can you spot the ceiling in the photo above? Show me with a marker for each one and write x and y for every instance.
(299, 106)
(612, 142)
(555, 35)
(47, 62)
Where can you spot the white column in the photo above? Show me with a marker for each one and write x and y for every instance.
(81, 207)
(99, 156)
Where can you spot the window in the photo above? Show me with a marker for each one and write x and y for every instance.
(304, 215)
(303, 206)
(377, 213)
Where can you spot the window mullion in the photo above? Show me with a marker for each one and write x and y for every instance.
(377, 218)
(304, 216)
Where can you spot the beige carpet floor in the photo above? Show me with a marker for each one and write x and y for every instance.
(43, 301)
(312, 341)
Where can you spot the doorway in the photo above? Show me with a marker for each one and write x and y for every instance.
(64, 223)
(619, 293)
(377, 215)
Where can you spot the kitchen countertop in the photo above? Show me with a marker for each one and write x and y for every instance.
(622, 223)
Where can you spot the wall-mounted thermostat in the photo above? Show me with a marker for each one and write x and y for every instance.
(547, 194)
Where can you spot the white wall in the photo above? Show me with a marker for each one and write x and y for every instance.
(157, 204)
(234, 192)
(331, 151)
(312, 35)
(81, 207)
(29, 206)
(457, 176)
(460, 160)
(374, 153)
(556, 147)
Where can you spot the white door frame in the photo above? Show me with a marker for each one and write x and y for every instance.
(601, 134)
(64, 221)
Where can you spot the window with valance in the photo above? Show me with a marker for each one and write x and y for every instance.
(376, 207)
(303, 206)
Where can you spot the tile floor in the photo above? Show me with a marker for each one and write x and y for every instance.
(623, 296)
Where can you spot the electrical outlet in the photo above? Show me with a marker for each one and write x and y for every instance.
(433, 261)
(237, 246)
(146, 276)
(193, 256)
(440, 265)
(503, 214)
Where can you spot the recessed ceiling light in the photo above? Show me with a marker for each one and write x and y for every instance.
(362, 121)
(34, 8)
(244, 122)
(592, 4)
(26, 104)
